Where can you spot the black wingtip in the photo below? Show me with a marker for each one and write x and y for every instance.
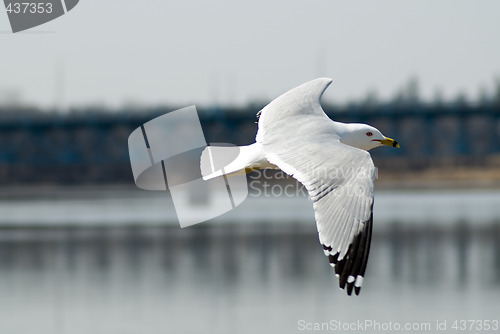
(333, 258)
(351, 268)
(350, 286)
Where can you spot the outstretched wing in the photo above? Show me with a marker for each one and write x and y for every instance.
(300, 101)
(339, 178)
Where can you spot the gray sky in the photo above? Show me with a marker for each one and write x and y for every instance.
(205, 52)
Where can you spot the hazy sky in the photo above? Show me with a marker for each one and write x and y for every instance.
(204, 52)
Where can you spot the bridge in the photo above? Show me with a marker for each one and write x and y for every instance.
(90, 146)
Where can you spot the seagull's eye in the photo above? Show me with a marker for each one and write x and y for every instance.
(369, 134)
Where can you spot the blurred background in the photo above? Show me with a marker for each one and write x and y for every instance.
(83, 250)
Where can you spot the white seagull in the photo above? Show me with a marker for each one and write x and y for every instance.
(331, 160)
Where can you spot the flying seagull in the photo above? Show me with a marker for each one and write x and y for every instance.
(331, 160)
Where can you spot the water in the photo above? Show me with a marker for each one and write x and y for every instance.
(243, 274)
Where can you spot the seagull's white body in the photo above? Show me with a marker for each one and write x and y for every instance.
(331, 160)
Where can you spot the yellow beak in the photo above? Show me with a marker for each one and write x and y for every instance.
(389, 142)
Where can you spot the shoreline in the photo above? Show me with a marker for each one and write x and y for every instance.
(388, 180)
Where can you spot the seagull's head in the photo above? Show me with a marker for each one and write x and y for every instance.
(364, 137)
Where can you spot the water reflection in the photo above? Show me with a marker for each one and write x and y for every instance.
(237, 278)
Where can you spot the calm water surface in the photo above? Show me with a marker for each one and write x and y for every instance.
(242, 277)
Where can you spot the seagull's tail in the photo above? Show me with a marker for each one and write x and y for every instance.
(223, 160)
